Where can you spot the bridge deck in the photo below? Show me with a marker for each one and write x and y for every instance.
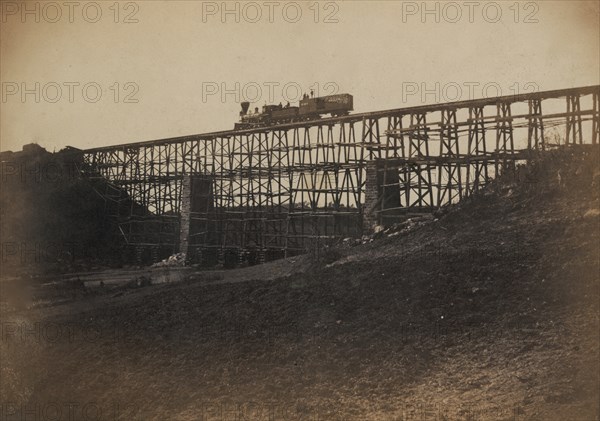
(558, 93)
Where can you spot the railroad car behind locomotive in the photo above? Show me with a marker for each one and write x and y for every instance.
(308, 109)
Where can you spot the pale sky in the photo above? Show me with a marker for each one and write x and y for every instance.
(383, 53)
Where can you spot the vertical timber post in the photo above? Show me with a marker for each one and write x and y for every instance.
(535, 133)
(477, 164)
(596, 118)
(574, 132)
(449, 162)
(505, 147)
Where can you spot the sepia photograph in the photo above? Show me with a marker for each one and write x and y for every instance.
(311, 210)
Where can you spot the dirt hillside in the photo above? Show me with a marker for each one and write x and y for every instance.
(489, 311)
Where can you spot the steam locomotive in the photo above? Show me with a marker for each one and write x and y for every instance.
(308, 109)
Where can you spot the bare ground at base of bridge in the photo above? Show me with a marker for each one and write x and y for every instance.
(490, 312)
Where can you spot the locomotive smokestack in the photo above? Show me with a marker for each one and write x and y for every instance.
(245, 106)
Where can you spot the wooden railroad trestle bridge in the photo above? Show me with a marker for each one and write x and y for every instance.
(282, 190)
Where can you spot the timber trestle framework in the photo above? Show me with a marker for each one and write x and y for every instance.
(285, 189)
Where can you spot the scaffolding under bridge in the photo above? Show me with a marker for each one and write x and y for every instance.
(281, 190)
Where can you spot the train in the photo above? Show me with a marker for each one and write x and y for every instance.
(308, 109)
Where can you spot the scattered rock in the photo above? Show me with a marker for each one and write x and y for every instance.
(174, 260)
